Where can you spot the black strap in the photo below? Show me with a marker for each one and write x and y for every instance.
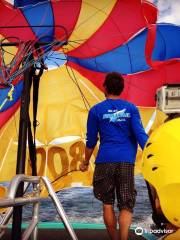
(32, 149)
(31, 138)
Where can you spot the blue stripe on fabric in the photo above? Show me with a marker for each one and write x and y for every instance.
(130, 57)
(16, 95)
(41, 15)
(22, 3)
(168, 37)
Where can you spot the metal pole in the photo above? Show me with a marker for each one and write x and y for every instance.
(60, 209)
(34, 235)
(21, 154)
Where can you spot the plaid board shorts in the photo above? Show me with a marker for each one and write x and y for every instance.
(111, 178)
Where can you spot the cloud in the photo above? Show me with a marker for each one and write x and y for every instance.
(168, 11)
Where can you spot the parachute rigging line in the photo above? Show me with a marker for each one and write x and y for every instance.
(64, 175)
(75, 81)
(26, 51)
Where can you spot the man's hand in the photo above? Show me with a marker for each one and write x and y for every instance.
(84, 166)
(85, 163)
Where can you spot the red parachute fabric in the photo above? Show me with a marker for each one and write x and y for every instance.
(126, 19)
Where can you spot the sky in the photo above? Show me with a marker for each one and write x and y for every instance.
(169, 11)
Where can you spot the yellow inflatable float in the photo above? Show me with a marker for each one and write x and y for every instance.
(161, 167)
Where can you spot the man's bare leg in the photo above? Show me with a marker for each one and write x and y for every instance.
(110, 220)
(125, 219)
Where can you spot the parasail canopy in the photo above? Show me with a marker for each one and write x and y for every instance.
(102, 36)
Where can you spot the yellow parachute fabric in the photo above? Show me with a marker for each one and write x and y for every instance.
(3, 191)
(8, 56)
(92, 15)
(61, 107)
(61, 131)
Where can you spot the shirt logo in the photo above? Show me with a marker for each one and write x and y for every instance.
(117, 116)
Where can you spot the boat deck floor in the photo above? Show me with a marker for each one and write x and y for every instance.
(84, 231)
(82, 234)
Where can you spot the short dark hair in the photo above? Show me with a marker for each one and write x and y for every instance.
(114, 83)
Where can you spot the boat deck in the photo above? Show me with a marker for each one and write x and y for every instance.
(56, 231)
(82, 234)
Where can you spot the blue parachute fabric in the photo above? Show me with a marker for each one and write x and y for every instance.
(127, 58)
(167, 42)
(40, 16)
(22, 3)
(130, 57)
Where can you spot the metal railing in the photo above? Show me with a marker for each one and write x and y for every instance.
(10, 201)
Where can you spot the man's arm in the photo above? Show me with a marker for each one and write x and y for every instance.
(92, 129)
(91, 139)
(138, 128)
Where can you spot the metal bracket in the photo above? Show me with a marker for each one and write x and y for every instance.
(11, 200)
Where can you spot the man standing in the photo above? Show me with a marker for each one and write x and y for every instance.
(118, 125)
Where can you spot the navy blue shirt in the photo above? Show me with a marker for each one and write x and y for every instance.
(118, 125)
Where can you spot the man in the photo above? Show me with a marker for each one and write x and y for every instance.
(118, 124)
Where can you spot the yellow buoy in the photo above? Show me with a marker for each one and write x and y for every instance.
(161, 167)
(173, 236)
